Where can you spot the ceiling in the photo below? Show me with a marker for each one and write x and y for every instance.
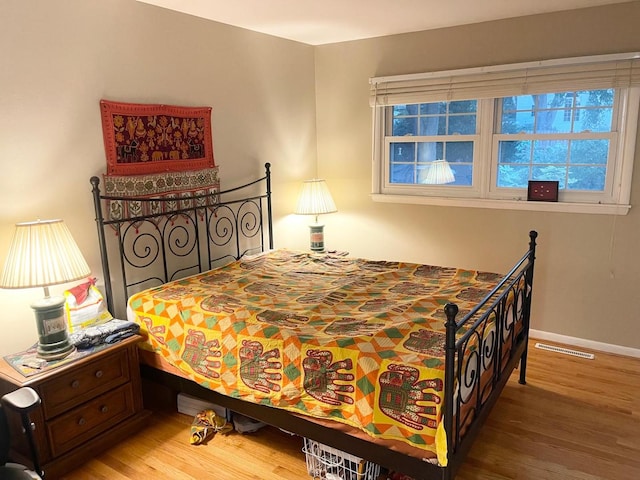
(329, 21)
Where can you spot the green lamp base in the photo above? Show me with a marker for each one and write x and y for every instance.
(53, 339)
(316, 233)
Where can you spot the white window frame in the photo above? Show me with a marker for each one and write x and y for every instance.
(441, 190)
(483, 192)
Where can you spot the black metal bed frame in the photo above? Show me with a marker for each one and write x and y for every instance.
(482, 348)
(180, 239)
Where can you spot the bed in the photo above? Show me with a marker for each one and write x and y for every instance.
(393, 362)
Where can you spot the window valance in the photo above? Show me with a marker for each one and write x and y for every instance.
(588, 73)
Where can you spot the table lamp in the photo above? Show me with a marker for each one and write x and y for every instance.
(43, 253)
(315, 199)
(439, 173)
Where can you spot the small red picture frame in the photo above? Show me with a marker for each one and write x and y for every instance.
(543, 191)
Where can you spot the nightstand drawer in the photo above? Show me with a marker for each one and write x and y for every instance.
(81, 384)
(89, 420)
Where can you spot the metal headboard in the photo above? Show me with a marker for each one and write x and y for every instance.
(192, 235)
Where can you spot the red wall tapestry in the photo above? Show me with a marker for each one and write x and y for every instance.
(143, 138)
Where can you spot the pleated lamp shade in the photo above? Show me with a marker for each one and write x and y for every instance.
(439, 173)
(43, 253)
(315, 199)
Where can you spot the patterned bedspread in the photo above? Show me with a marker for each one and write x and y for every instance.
(356, 341)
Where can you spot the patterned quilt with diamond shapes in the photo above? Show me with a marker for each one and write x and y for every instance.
(356, 341)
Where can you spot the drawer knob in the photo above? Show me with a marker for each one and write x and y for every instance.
(81, 421)
(99, 374)
(75, 384)
(104, 409)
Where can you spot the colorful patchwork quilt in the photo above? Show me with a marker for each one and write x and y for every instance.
(357, 341)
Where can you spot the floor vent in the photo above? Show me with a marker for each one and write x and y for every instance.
(566, 351)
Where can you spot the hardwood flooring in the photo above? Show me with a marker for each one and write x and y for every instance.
(576, 419)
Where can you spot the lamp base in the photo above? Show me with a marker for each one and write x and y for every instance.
(316, 238)
(55, 351)
(53, 339)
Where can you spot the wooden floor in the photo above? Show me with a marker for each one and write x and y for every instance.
(575, 419)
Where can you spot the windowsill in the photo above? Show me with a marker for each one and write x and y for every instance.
(563, 207)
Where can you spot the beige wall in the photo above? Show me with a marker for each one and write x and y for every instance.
(588, 267)
(58, 58)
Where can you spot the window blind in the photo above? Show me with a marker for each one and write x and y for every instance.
(550, 76)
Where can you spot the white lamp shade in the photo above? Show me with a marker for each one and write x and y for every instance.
(439, 173)
(315, 199)
(43, 253)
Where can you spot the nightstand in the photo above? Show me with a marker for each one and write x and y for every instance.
(87, 406)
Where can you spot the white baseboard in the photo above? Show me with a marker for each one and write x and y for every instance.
(590, 344)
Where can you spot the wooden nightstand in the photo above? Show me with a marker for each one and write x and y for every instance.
(87, 406)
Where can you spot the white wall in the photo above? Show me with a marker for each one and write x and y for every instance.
(588, 270)
(58, 58)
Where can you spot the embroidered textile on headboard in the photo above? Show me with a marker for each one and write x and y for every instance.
(175, 189)
(143, 138)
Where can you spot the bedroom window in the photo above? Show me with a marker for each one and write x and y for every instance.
(422, 134)
(476, 137)
(573, 145)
